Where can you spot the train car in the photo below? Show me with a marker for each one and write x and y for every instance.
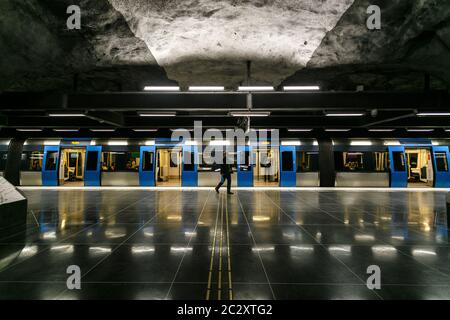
(161, 162)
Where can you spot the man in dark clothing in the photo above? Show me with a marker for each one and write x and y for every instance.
(225, 171)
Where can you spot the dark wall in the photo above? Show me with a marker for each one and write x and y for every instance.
(12, 170)
(326, 162)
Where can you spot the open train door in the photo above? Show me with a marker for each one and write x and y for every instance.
(398, 167)
(50, 166)
(92, 168)
(147, 166)
(441, 158)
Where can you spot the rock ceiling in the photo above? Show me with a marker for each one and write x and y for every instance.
(125, 44)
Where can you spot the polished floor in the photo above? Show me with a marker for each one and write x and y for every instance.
(195, 244)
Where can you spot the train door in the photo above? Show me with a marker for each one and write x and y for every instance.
(92, 174)
(397, 164)
(168, 167)
(266, 171)
(147, 166)
(51, 165)
(71, 167)
(244, 166)
(189, 176)
(419, 167)
(288, 166)
(441, 159)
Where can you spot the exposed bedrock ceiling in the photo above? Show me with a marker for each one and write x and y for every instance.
(125, 44)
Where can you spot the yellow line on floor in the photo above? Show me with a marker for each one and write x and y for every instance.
(230, 285)
(211, 264)
(219, 282)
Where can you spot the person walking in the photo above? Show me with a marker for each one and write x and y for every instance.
(225, 172)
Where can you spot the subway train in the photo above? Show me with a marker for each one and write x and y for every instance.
(396, 163)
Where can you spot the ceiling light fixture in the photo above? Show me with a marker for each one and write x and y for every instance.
(103, 130)
(157, 114)
(358, 114)
(433, 114)
(381, 130)
(300, 130)
(66, 130)
(206, 88)
(255, 88)
(66, 115)
(162, 88)
(145, 130)
(420, 130)
(337, 130)
(29, 130)
(301, 88)
(250, 114)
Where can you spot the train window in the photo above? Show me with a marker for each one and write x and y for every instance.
(188, 163)
(147, 165)
(441, 161)
(120, 161)
(3, 156)
(361, 161)
(287, 161)
(398, 158)
(31, 161)
(307, 161)
(92, 160)
(51, 161)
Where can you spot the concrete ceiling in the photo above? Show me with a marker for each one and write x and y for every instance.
(126, 44)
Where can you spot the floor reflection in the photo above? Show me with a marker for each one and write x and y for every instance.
(255, 244)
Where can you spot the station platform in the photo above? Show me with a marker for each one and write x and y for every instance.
(260, 243)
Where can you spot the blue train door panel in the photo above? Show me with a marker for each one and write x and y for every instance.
(288, 168)
(244, 166)
(92, 168)
(50, 167)
(441, 158)
(189, 174)
(147, 166)
(398, 167)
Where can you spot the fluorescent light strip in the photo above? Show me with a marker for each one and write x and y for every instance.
(162, 114)
(301, 88)
(250, 114)
(103, 130)
(206, 88)
(360, 143)
(337, 130)
(255, 88)
(433, 114)
(419, 130)
(219, 143)
(145, 130)
(66, 130)
(66, 115)
(161, 88)
(117, 143)
(381, 130)
(29, 130)
(300, 130)
(291, 143)
(150, 142)
(345, 114)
